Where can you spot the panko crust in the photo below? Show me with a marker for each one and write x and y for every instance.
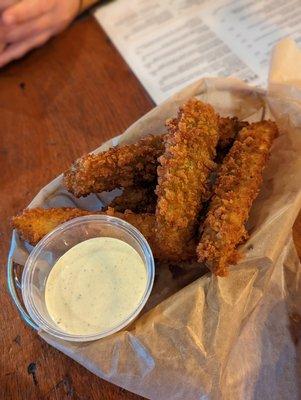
(238, 183)
(229, 128)
(134, 164)
(200, 182)
(138, 199)
(33, 224)
(120, 166)
(183, 172)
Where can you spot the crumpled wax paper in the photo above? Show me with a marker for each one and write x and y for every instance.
(204, 337)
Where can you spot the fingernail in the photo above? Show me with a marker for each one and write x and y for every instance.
(8, 19)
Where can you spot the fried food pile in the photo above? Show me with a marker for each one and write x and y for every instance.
(189, 191)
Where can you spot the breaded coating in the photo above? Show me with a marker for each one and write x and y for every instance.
(183, 173)
(33, 224)
(120, 166)
(128, 165)
(228, 130)
(237, 185)
(138, 199)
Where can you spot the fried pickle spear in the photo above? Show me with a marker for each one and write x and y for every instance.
(33, 224)
(131, 164)
(138, 199)
(183, 173)
(118, 167)
(238, 184)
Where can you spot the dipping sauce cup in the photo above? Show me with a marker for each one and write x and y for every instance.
(54, 245)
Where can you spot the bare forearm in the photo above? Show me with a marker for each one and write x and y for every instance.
(85, 4)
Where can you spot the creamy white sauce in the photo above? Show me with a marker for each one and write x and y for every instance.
(95, 286)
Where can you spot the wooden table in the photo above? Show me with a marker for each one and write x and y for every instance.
(59, 102)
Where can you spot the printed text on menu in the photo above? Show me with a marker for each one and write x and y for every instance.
(173, 43)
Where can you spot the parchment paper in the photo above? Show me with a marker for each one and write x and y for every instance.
(209, 337)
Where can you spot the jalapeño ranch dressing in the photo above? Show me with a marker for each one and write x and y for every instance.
(95, 286)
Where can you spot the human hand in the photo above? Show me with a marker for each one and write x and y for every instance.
(3, 5)
(27, 24)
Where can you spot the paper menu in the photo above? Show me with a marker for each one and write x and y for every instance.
(252, 28)
(171, 43)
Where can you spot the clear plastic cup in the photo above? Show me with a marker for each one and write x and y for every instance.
(59, 241)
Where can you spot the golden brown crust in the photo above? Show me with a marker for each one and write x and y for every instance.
(183, 172)
(184, 158)
(137, 199)
(33, 224)
(118, 167)
(228, 128)
(237, 186)
(132, 164)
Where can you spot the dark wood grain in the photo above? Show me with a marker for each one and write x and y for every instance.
(59, 102)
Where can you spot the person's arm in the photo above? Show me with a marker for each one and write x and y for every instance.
(27, 24)
(85, 4)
